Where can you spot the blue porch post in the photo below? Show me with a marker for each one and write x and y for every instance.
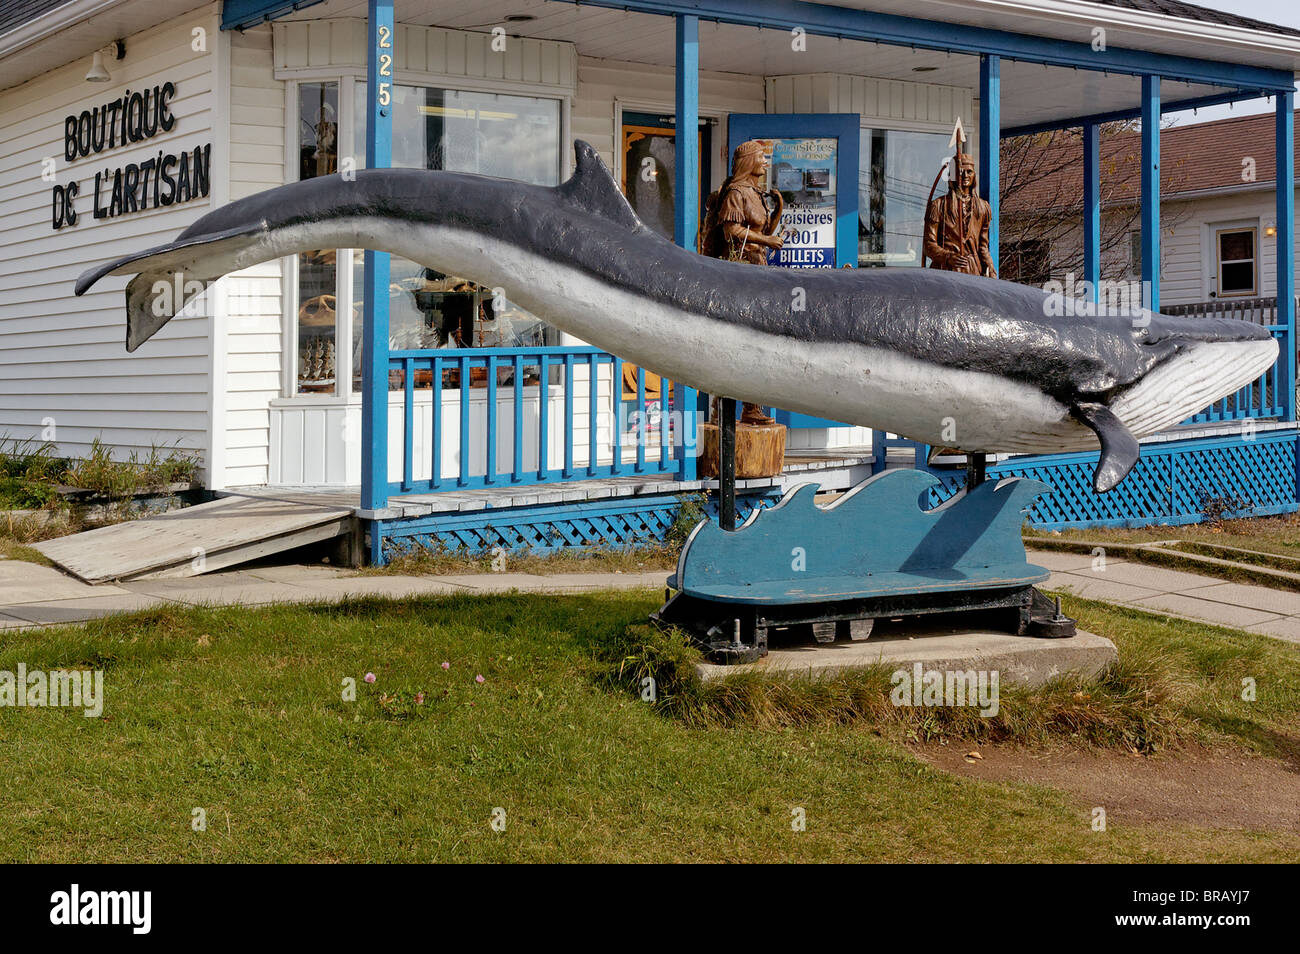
(1092, 208)
(1284, 131)
(374, 388)
(1151, 192)
(686, 211)
(991, 143)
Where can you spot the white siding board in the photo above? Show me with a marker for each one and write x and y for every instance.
(254, 314)
(62, 356)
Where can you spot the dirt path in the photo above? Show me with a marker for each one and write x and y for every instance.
(1197, 787)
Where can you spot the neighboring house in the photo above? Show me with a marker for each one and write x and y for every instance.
(1219, 220)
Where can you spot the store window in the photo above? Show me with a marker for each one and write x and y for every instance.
(318, 325)
(897, 171)
(495, 134)
(1235, 249)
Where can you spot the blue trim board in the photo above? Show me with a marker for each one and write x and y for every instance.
(241, 14)
(825, 20)
(1151, 192)
(1167, 106)
(1092, 208)
(380, 60)
(1284, 132)
(686, 204)
(990, 180)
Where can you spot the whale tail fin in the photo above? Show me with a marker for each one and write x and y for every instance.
(1119, 448)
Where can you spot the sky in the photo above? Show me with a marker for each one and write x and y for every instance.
(1281, 12)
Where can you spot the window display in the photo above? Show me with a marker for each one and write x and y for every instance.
(512, 137)
(897, 169)
(318, 154)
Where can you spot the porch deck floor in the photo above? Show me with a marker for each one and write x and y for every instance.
(800, 467)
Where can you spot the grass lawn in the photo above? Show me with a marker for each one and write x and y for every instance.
(239, 712)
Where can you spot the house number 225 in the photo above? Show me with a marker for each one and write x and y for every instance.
(385, 63)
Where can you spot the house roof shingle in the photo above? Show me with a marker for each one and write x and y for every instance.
(1190, 11)
(14, 13)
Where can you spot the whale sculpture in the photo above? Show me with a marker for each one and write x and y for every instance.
(976, 363)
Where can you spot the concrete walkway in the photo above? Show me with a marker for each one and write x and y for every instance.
(1258, 609)
(32, 595)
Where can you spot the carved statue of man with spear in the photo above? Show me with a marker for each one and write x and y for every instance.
(957, 223)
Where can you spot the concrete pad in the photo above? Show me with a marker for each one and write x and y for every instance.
(165, 588)
(492, 582)
(1266, 599)
(23, 582)
(1098, 587)
(79, 611)
(256, 593)
(1022, 660)
(1060, 561)
(1182, 604)
(1284, 627)
(1158, 578)
(298, 573)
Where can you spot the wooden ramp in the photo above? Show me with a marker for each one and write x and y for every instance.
(211, 536)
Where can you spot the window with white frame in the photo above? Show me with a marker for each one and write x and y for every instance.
(1235, 252)
(498, 134)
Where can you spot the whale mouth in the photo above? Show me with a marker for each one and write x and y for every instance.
(1202, 373)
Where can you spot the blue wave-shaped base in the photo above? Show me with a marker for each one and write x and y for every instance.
(878, 529)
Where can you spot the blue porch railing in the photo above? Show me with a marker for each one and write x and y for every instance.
(503, 417)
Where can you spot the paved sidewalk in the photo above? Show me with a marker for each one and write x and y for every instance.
(1258, 609)
(32, 595)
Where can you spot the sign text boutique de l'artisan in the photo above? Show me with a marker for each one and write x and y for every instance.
(161, 180)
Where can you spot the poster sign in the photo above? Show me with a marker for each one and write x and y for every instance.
(803, 171)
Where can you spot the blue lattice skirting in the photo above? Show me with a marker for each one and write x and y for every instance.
(1174, 482)
(545, 528)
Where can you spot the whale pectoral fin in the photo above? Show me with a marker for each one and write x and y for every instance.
(1119, 448)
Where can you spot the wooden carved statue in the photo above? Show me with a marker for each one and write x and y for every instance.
(957, 226)
(743, 222)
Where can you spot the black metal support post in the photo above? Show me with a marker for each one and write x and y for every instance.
(976, 470)
(727, 463)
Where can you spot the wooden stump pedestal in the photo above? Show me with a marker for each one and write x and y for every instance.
(760, 450)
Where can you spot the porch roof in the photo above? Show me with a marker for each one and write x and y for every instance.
(1149, 35)
(1034, 94)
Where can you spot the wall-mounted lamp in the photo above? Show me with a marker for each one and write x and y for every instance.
(1270, 229)
(98, 72)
